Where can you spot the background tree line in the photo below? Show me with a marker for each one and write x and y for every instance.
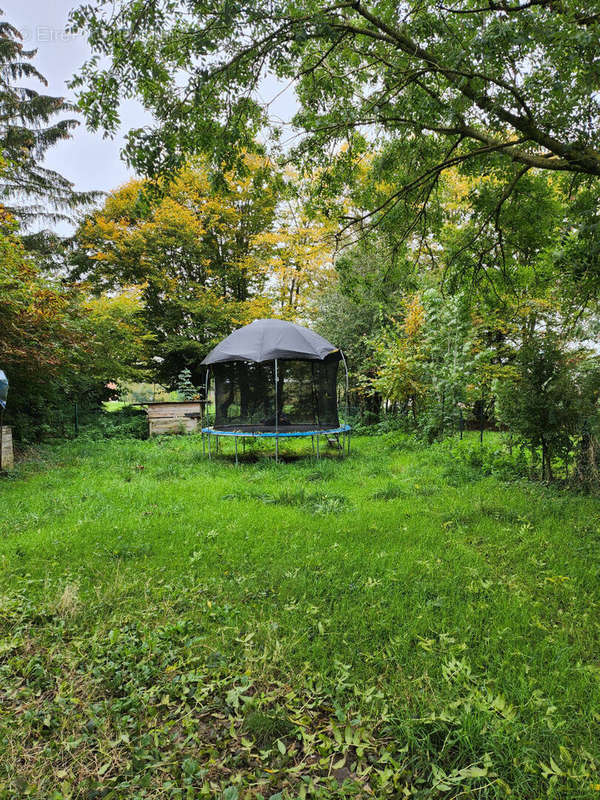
(450, 248)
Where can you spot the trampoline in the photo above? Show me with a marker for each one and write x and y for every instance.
(276, 380)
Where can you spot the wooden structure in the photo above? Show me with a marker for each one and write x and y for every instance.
(6, 448)
(184, 417)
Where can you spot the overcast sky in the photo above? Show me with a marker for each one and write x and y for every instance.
(89, 160)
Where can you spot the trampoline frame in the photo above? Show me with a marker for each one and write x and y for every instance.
(343, 446)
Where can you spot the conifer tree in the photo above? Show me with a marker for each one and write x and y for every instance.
(28, 127)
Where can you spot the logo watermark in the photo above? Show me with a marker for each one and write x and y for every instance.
(46, 34)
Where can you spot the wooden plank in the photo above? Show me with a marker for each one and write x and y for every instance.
(172, 425)
(7, 460)
(163, 410)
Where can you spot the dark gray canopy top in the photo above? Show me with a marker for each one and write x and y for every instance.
(267, 339)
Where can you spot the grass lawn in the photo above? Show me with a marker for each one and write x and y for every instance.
(394, 625)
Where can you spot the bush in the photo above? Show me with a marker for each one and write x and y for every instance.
(371, 425)
(498, 460)
(123, 423)
(552, 394)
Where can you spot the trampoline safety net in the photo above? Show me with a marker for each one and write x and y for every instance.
(306, 394)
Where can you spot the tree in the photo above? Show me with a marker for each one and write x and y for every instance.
(197, 252)
(206, 257)
(443, 85)
(28, 128)
(57, 344)
(117, 338)
(33, 310)
(300, 266)
(553, 393)
(427, 361)
(185, 387)
(402, 359)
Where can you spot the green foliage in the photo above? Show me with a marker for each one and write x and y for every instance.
(429, 362)
(159, 643)
(196, 250)
(357, 306)
(503, 460)
(479, 88)
(185, 387)
(122, 423)
(553, 393)
(59, 347)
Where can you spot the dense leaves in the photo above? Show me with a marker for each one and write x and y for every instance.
(447, 85)
(58, 345)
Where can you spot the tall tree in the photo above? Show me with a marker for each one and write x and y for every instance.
(444, 84)
(28, 127)
(198, 251)
(58, 344)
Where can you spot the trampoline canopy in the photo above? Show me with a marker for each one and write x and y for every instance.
(268, 339)
(274, 375)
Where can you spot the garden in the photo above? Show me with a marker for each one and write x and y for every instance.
(299, 400)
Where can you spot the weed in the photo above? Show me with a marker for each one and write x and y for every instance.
(266, 729)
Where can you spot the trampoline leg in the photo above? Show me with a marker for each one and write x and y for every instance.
(236, 456)
(318, 454)
(348, 442)
(276, 449)
(209, 453)
(203, 446)
(312, 438)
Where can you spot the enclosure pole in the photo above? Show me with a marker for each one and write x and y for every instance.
(206, 395)
(347, 385)
(276, 415)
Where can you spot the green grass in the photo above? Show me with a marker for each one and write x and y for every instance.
(393, 625)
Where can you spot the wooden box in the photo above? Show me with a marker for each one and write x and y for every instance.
(184, 417)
